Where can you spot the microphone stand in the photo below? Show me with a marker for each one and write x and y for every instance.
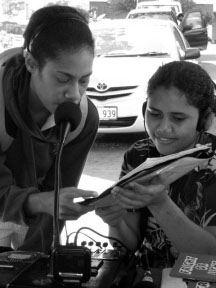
(64, 130)
(68, 263)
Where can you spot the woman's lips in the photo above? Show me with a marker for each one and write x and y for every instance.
(164, 140)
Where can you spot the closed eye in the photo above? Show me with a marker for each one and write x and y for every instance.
(63, 79)
(154, 114)
(178, 119)
(85, 80)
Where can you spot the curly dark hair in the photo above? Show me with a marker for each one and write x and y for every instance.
(56, 28)
(190, 78)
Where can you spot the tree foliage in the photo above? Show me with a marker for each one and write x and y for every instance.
(120, 8)
(187, 4)
(127, 5)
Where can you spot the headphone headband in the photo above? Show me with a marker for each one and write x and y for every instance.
(59, 19)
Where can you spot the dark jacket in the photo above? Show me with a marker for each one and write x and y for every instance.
(193, 193)
(27, 163)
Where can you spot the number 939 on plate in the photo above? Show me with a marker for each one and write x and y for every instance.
(107, 113)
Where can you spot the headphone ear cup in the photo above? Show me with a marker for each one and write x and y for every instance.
(205, 120)
(144, 108)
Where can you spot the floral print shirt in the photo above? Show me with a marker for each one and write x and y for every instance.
(194, 194)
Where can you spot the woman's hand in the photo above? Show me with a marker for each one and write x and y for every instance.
(43, 202)
(68, 210)
(112, 215)
(135, 195)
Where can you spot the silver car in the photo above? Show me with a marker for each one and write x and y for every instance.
(128, 52)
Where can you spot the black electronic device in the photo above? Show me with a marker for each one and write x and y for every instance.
(13, 264)
(71, 264)
(110, 268)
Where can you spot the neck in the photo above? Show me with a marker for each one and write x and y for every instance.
(197, 139)
(37, 111)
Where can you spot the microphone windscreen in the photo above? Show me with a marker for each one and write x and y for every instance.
(68, 112)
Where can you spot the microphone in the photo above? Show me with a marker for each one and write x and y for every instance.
(67, 118)
(147, 281)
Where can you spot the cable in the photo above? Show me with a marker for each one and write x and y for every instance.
(107, 237)
(146, 136)
(82, 234)
(66, 232)
(56, 196)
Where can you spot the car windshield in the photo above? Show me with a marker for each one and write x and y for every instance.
(151, 15)
(175, 8)
(132, 40)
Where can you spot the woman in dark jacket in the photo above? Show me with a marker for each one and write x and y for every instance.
(53, 67)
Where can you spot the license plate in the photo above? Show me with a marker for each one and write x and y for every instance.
(107, 113)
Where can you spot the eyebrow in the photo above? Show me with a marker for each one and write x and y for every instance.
(174, 113)
(69, 75)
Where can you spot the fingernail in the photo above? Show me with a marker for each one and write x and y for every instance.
(131, 185)
(113, 192)
(113, 195)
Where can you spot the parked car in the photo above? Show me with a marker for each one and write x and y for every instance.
(174, 5)
(194, 28)
(153, 13)
(128, 52)
(192, 25)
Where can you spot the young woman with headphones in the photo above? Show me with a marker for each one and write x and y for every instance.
(182, 217)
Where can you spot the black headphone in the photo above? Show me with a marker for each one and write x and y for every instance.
(144, 109)
(204, 121)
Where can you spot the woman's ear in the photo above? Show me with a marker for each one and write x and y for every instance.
(30, 62)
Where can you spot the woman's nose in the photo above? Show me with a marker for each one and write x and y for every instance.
(73, 94)
(164, 126)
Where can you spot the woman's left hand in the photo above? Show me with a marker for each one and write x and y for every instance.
(135, 196)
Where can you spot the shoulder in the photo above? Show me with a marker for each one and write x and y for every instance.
(144, 148)
(208, 138)
(89, 120)
(5, 138)
(138, 152)
(8, 54)
(92, 113)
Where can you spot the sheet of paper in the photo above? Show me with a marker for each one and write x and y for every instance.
(171, 282)
(164, 170)
(151, 162)
(168, 174)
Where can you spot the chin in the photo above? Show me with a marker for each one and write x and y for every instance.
(166, 150)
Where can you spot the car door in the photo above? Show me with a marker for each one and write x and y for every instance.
(184, 50)
(194, 28)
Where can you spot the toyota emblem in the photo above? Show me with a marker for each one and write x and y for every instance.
(101, 87)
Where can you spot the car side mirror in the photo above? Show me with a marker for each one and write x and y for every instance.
(192, 53)
(187, 27)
